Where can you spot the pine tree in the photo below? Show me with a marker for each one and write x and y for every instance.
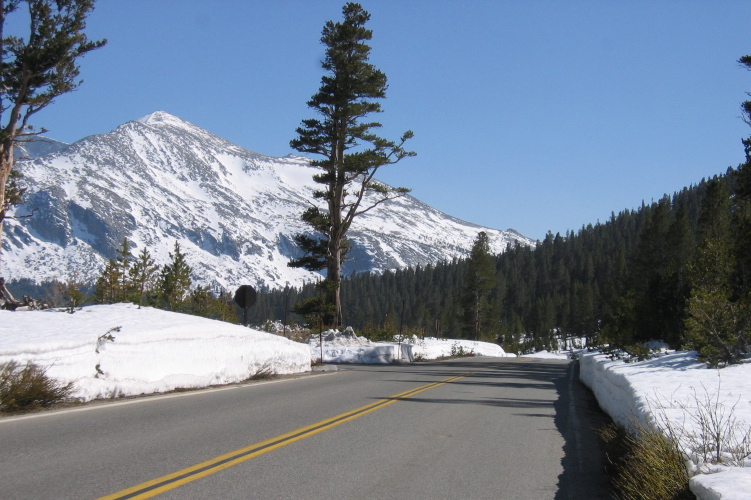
(174, 280)
(142, 276)
(37, 68)
(107, 289)
(202, 302)
(351, 152)
(124, 260)
(742, 221)
(479, 281)
(72, 293)
(114, 285)
(718, 326)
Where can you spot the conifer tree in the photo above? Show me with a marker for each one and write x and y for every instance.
(72, 293)
(479, 282)
(37, 68)
(719, 321)
(743, 202)
(174, 280)
(719, 326)
(124, 260)
(142, 276)
(351, 153)
(107, 289)
(114, 284)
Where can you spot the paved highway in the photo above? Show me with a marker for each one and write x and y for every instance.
(469, 428)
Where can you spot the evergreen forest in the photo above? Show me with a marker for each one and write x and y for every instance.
(626, 281)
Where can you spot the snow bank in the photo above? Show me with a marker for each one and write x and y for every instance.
(347, 347)
(120, 350)
(433, 348)
(548, 355)
(730, 484)
(152, 350)
(669, 387)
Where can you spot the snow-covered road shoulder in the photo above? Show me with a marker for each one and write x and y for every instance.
(150, 351)
(670, 386)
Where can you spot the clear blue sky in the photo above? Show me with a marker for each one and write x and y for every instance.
(533, 115)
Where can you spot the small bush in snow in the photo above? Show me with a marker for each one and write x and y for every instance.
(24, 388)
(265, 372)
(457, 350)
(711, 433)
(107, 337)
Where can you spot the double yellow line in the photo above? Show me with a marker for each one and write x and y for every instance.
(171, 481)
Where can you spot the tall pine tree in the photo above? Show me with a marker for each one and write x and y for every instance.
(479, 282)
(718, 322)
(743, 203)
(351, 153)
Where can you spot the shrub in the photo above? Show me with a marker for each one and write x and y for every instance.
(457, 350)
(710, 431)
(718, 328)
(645, 465)
(25, 388)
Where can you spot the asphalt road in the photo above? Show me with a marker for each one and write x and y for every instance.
(471, 428)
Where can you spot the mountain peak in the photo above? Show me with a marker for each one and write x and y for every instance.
(160, 117)
(235, 213)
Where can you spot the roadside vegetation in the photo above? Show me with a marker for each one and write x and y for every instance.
(25, 388)
(645, 465)
(676, 270)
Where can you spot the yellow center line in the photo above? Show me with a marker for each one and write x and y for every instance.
(171, 481)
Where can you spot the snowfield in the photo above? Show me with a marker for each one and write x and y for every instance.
(674, 388)
(153, 350)
(120, 350)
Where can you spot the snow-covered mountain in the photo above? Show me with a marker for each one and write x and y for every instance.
(34, 148)
(160, 179)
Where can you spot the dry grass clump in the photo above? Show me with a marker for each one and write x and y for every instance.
(645, 465)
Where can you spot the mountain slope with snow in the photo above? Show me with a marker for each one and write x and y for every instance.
(160, 179)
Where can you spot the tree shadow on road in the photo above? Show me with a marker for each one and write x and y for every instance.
(577, 418)
(575, 412)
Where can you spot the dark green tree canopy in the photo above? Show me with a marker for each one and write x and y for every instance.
(479, 282)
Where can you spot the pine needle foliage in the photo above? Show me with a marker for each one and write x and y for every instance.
(479, 282)
(174, 280)
(349, 151)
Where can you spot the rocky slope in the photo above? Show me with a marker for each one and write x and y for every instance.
(160, 179)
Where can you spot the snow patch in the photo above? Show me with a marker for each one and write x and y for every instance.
(152, 351)
(668, 387)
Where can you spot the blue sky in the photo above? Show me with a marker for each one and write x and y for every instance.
(533, 115)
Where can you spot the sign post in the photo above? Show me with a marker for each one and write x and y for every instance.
(245, 297)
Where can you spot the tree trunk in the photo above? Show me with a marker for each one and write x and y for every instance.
(7, 143)
(334, 274)
(336, 202)
(6, 165)
(334, 265)
(10, 301)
